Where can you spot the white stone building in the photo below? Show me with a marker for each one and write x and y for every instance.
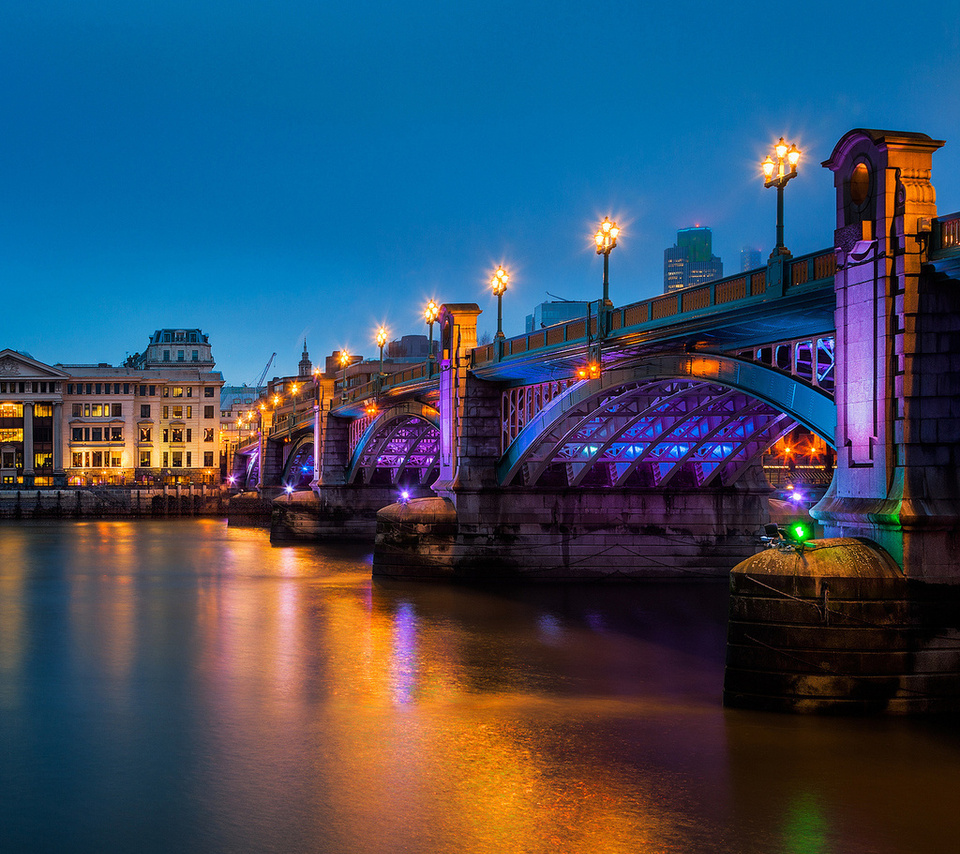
(154, 420)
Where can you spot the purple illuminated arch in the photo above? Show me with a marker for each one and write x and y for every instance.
(401, 446)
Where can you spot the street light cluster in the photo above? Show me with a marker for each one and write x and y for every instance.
(777, 174)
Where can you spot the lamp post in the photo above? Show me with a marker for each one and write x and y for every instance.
(499, 284)
(344, 361)
(381, 341)
(777, 174)
(430, 314)
(606, 240)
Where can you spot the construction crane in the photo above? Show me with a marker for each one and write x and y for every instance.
(266, 367)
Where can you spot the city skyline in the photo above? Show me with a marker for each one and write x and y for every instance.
(312, 173)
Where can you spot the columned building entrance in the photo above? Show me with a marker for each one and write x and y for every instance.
(31, 405)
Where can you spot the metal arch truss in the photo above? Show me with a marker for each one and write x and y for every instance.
(700, 419)
(400, 445)
(810, 359)
(299, 468)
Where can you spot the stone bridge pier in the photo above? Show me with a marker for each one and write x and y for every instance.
(868, 619)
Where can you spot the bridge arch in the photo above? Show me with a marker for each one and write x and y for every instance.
(400, 446)
(699, 418)
(298, 470)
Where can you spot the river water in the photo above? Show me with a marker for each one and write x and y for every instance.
(181, 686)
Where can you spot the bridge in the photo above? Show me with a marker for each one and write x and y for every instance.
(628, 443)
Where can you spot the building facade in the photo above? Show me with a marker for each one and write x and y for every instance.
(749, 259)
(154, 420)
(691, 260)
(560, 311)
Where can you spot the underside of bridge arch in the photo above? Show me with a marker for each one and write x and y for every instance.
(400, 448)
(299, 468)
(678, 421)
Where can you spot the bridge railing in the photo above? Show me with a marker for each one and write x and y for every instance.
(946, 232)
(387, 382)
(804, 270)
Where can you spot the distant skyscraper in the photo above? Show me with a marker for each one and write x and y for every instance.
(691, 261)
(749, 259)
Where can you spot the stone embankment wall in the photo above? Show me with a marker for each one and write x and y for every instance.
(107, 504)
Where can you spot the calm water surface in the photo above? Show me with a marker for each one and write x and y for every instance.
(181, 686)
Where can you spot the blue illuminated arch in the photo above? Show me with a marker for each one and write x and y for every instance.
(713, 414)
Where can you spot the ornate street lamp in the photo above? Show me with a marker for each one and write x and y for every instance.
(499, 284)
(430, 314)
(777, 174)
(606, 240)
(381, 341)
(344, 361)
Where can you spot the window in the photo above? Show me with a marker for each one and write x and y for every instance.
(116, 460)
(89, 388)
(166, 412)
(116, 434)
(208, 412)
(196, 356)
(166, 355)
(117, 410)
(189, 391)
(177, 391)
(96, 435)
(142, 391)
(153, 391)
(208, 459)
(145, 459)
(166, 337)
(78, 459)
(86, 410)
(166, 456)
(178, 412)
(189, 460)
(97, 410)
(69, 388)
(126, 388)
(208, 391)
(86, 434)
(178, 459)
(166, 391)
(77, 410)
(144, 410)
(189, 435)
(208, 434)
(166, 436)
(77, 435)
(177, 434)
(189, 412)
(97, 458)
(145, 434)
(179, 355)
(99, 387)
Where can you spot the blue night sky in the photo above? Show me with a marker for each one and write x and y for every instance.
(272, 170)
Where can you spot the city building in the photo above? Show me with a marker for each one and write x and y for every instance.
(691, 260)
(154, 420)
(749, 259)
(559, 311)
